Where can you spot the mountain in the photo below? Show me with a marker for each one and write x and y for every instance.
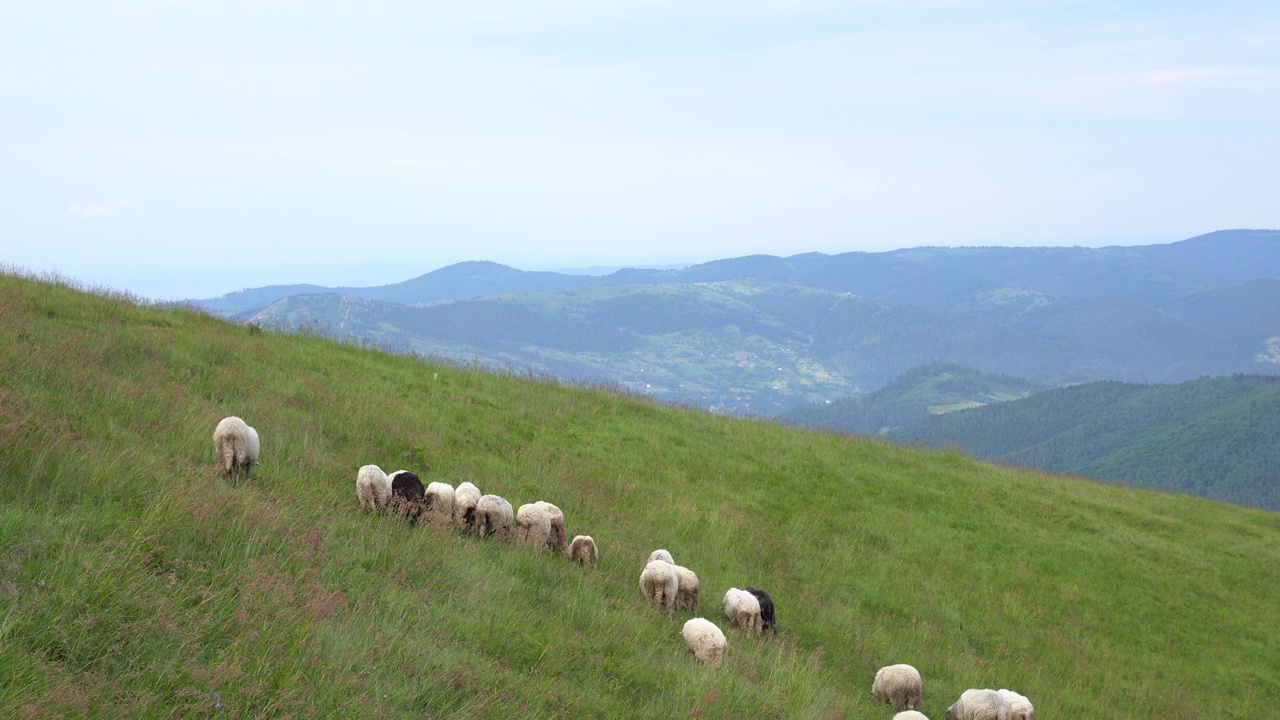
(1213, 437)
(135, 581)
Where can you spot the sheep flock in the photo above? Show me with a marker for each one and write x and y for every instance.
(540, 526)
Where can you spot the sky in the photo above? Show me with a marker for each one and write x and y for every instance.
(185, 149)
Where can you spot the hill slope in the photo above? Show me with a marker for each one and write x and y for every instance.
(1213, 437)
(135, 582)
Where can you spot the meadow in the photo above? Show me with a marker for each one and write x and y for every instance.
(136, 582)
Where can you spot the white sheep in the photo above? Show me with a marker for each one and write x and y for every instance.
(238, 447)
(659, 584)
(662, 555)
(910, 715)
(465, 497)
(493, 516)
(705, 640)
(439, 501)
(979, 705)
(687, 594)
(743, 609)
(583, 551)
(1020, 707)
(556, 541)
(373, 487)
(533, 526)
(898, 685)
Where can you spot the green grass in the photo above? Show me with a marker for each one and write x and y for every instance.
(134, 579)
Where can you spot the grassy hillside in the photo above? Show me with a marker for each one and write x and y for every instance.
(1213, 437)
(136, 582)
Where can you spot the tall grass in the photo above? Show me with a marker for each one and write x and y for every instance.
(136, 582)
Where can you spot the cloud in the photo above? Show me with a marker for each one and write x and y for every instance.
(106, 208)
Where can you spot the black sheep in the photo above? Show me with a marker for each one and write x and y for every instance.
(408, 494)
(766, 610)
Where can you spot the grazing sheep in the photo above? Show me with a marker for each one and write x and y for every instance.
(557, 540)
(979, 705)
(662, 555)
(742, 609)
(1020, 707)
(465, 497)
(705, 640)
(438, 501)
(238, 447)
(767, 616)
(373, 487)
(493, 516)
(910, 715)
(659, 584)
(898, 685)
(533, 526)
(687, 593)
(583, 551)
(407, 494)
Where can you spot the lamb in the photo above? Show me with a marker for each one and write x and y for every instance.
(979, 705)
(910, 715)
(898, 685)
(742, 609)
(438, 501)
(705, 640)
(687, 593)
(1020, 707)
(556, 540)
(238, 446)
(659, 584)
(767, 616)
(583, 551)
(407, 494)
(465, 497)
(373, 487)
(662, 555)
(533, 526)
(493, 516)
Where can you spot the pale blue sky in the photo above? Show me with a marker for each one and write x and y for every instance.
(182, 148)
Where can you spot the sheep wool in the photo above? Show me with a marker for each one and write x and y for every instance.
(373, 487)
(705, 641)
(687, 593)
(438, 501)
(493, 516)
(742, 609)
(910, 715)
(533, 527)
(583, 551)
(898, 685)
(979, 705)
(238, 447)
(1020, 707)
(662, 555)
(465, 497)
(556, 541)
(659, 584)
(407, 494)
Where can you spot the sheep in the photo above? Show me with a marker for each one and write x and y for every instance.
(898, 685)
(979, 705)
(705, 640)
(407, 494)
(238, 447)
(583, 551)
(533, 526)
(659, 584)
(493, 516)
(767, 616)
(687, 593)
(1020, 707)
(373, 487)
(438, 500)
(556, 540)
(465, 497)
(742, 609)
(662, 555)
(910, 715)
